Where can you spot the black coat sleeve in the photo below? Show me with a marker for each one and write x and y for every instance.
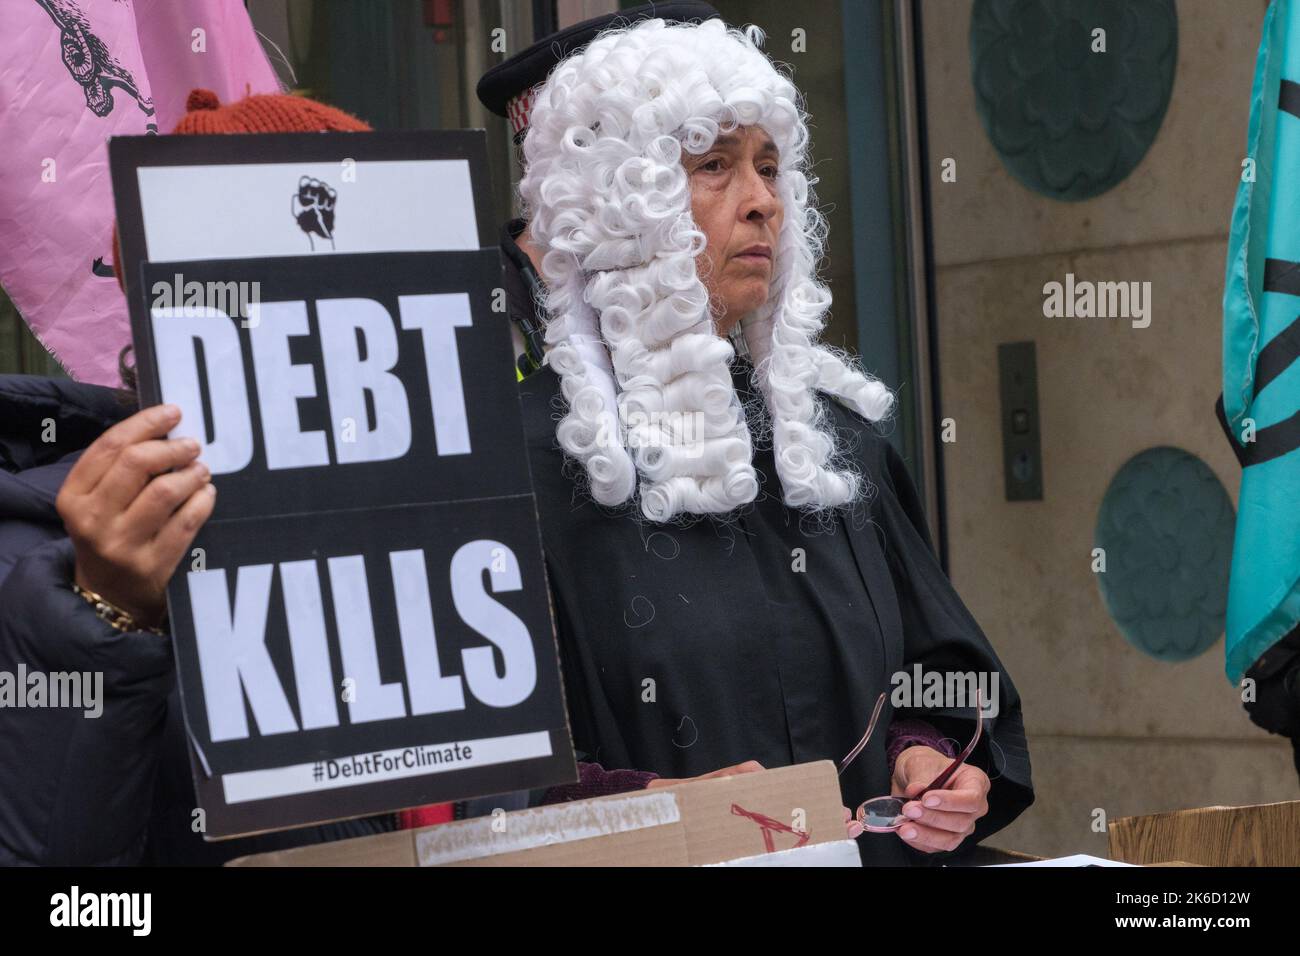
(941, 635)
(75, 786)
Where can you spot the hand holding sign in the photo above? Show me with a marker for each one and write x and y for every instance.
(132, 505)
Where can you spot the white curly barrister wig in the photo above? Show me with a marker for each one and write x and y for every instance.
(645, 376)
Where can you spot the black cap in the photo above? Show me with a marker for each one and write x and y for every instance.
(526, 69)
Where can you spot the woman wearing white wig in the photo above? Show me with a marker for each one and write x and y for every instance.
(739, 560)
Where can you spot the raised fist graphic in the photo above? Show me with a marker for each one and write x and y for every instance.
(313, 208)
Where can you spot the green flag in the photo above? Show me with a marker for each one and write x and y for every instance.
(1260, 408)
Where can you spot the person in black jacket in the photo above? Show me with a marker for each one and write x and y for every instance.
(1275, 703)
(113, 788)
(88, 510)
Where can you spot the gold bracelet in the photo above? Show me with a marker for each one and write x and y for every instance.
(110, 613)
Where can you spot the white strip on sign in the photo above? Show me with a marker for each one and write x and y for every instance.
(379, 206)
(377, 766)
(545, 826)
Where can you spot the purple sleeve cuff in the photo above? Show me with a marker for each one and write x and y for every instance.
(595, 781)
(912, 732)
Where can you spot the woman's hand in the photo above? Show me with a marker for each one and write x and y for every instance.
(943, 818)
(131, 517)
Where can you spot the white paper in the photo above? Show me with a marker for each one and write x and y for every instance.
(1078, 859)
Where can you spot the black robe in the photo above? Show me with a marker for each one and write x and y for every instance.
(750, 658)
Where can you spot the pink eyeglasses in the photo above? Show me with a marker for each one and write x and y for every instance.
(885, 814)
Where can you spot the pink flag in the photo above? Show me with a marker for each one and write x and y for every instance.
(189, 44)
(72, 74)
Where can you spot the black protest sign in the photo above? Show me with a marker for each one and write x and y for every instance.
(363, 624)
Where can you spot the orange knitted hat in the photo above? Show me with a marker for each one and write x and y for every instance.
(261, 113)
(264, 113)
